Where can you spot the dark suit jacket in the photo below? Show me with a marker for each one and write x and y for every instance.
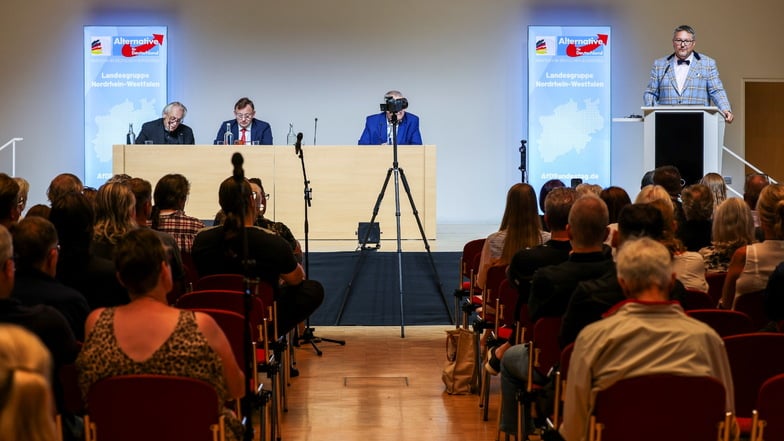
(375, 132)
(259, 131)
(154, 131)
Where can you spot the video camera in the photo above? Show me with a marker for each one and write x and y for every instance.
(393, 105)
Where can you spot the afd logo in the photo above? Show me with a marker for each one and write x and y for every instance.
(100, 46)
(579, 46)
(130, 46)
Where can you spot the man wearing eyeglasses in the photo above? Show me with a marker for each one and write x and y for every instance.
(686, 77)
(168, 129)
(245, 127)
(378, 127)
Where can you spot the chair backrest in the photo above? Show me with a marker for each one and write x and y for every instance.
(753, 359)
(545, 338)
(495, 274)
(566, 356)
(233, 301)
(232, 282)
(723, 321)
(770, 407)
(470, 250)
(753, 304)
(508, 297)
(233, 326)
(661, 407)
(715, 285)
(152, 408)
(695, 299)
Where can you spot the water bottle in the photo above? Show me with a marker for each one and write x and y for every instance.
(291, 138)
(131, 137)
(228, 137)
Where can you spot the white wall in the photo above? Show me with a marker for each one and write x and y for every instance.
(461, 64)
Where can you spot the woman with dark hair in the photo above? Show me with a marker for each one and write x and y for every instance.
(219, 250)
(72, 215)
(615, 198)
(147, 336)
(168, 213)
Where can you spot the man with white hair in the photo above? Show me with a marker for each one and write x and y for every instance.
(378, 127)
(646, 334)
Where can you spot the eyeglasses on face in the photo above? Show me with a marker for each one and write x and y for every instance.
(243, 115)
(680, 42)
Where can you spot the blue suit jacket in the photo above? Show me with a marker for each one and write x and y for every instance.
(376, 130)
(259, 131)
(703, 85)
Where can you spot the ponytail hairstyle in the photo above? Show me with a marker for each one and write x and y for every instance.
(233, 199)
(770, 207)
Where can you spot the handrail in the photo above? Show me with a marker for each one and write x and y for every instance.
(750, 165)
(12, 142)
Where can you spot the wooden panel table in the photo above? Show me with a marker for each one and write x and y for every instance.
(345, 181)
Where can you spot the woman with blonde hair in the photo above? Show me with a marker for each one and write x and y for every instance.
(650, 193)
(733, 227)
(520, 228)
(26, 400)
(751, 265)
(115, 210)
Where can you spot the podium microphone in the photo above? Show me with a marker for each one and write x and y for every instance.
(315, 127)
(236, 161)
(298, 144)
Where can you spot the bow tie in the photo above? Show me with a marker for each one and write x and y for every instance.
(686, 62)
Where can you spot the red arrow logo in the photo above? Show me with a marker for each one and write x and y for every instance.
(574, 51)
(130, 51)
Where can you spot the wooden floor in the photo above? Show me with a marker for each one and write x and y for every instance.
(381, 387)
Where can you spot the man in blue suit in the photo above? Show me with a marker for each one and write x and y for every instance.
(378, 127)
(245, 127)
(686, 77)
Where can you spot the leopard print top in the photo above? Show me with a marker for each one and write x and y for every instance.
(185, 353)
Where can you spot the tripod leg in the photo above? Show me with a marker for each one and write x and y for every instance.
(427, 245)
(347, 292)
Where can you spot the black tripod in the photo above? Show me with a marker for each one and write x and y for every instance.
(397, 172)
(307, 335)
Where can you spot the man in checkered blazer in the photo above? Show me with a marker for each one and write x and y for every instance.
(686, 77)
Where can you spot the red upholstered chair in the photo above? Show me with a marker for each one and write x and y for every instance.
(715, 285)
(469, 265)
(753, 359)
(768, 423)
(232, 282)
(753, 304)
(661, 407)
(695, 299)
(723, 321)
(153, 408)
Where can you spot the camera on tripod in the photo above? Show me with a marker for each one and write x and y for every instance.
(394, 105)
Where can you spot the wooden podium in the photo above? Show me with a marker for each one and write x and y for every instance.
(345, 183)
(688, 137)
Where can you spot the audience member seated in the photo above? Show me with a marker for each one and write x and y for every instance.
(24, 189)
(63, 183)
(551, 290)
(695, 231)
(616, 198)
(168, 213)
(9, 201)
(520, 228)
(651, 193)
(688, 266)
(46, 323)
(279, 228)
(669, 177)
(73, 217)
(219, 250)
(36, 254)
(147, 336)
(733, 227)
(39, 210)
(646, 335)
(774, 298)
(586, 188)
(142, 193)
(547, 187)
(115, 208)
(717, 186)
(751, 265)
(752, 188)
(26, 411)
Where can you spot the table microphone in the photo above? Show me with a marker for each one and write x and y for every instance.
(315, 127)
(298, 144)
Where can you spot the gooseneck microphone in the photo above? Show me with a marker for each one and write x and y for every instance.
(298, 144)
(236, 161)
(315, 128)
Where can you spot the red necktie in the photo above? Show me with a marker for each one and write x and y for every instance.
(242, 138)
